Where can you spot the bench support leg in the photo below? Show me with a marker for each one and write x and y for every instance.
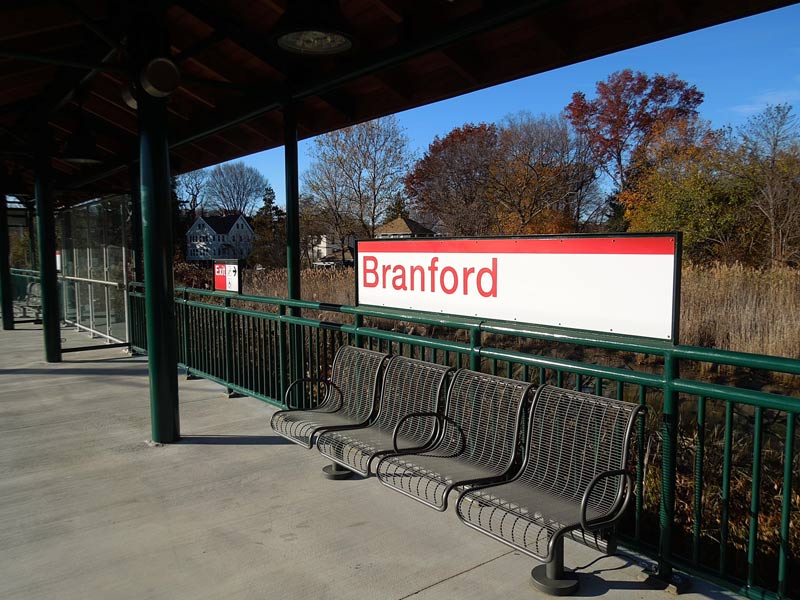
(551, 578)
(336, 471)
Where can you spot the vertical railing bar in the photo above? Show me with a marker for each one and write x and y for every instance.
(726, 487)
(755, 497)
(698, 478)
(786, 503)
(640, 466)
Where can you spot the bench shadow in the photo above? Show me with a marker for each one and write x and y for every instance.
(234, 440)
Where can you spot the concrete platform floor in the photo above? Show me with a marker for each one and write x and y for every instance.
(90, 510)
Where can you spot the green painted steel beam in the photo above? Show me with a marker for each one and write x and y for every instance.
(159, 291)
(292, 206)
(48, 276)
(6, 292)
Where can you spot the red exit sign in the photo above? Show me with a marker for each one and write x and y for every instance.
(228, 276)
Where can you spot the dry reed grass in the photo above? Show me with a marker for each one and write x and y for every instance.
(726, 307)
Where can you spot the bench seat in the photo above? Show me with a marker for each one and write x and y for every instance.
(349, 400)
(409, 386)
(477, 440)
(573, 483)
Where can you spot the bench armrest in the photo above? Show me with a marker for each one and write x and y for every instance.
(616, 510)
(287, 395)
(405, 418)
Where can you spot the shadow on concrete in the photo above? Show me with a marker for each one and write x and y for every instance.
(74, 371)
(234, 440)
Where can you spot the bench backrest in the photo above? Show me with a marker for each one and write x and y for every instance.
(410, 386)
(572, 438)
(482, 416)
(354, 381)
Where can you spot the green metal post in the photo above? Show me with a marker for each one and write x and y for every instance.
(6, 293)
(292, 206)
(227, 325)
(474, 354)
(293, 234)
(48, 277)
(669, 431)
(786, 503)
(159, 287)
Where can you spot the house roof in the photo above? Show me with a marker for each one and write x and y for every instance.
(221, 225)
(403, 225)
(67, 63)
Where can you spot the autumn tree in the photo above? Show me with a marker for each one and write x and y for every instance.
(619, 121)
(768, 161)
(544, 179)
(680, 187)
(357, 174)
(452, 181)
(235, 188)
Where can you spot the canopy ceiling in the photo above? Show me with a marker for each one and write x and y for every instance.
(62, 58)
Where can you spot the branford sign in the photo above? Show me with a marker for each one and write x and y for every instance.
(621, 284)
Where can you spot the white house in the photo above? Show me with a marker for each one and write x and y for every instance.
(210, 238)
(328, 250)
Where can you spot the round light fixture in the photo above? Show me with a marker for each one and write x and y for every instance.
(160, 77)
(313, 28)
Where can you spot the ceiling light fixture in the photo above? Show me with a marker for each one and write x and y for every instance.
(314, 28)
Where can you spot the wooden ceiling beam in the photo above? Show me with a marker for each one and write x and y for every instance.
(251, 42)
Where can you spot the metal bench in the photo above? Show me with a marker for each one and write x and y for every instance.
(409, 386)
(30, 306)
(573, 482)
(476, 440)
(349, 400)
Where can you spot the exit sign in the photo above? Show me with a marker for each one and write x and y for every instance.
(228, 276)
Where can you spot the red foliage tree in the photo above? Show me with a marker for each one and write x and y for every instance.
(620, 120)
(452, 181)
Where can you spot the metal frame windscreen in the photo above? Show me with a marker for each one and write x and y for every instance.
(95, 263)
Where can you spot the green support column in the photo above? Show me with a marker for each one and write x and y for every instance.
(293, 234)
(162, 353)
(46, 234)
(6, 293)
(292, 206)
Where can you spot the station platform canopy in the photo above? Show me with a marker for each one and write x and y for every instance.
(69, 63)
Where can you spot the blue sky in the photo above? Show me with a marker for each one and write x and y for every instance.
(740, 66)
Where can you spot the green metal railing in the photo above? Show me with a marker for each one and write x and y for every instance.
(714, 462)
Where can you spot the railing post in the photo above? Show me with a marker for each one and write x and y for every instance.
(669, 433)
(6, 293)
(474, 351)
(282, 352)
(227, 320)
(358, 322)
(185, 329)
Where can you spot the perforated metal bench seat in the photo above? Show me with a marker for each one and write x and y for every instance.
(572, 483)
(349, 399)
(409, 386)
(476, 441)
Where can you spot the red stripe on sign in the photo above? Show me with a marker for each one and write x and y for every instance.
(611, 245)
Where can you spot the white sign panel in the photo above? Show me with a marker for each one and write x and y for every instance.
(226, 277)
(624, 284)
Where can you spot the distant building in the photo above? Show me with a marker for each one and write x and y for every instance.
(210, 238)
(403, 227)
(327, 252)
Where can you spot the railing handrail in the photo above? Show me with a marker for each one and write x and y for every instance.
(570, 336)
